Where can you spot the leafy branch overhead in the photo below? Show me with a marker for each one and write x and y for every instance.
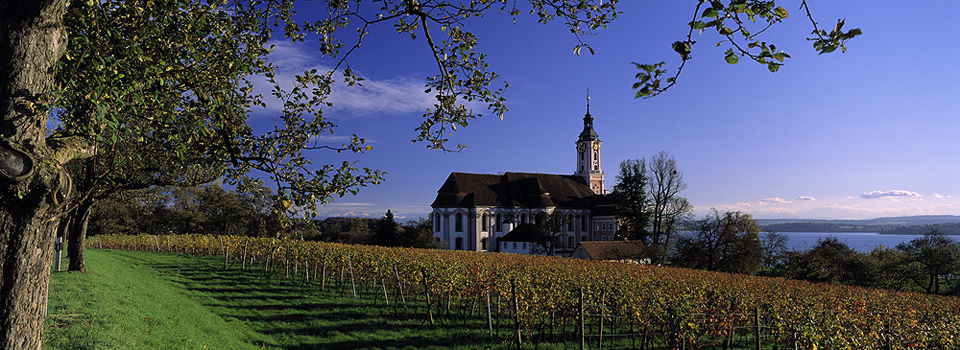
(463, 76)
(737, 22)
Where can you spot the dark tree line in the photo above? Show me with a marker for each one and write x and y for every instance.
(929, 264)
(209, 209)
(212, 209)
(732, 242)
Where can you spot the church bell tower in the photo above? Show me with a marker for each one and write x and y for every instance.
(588, 154)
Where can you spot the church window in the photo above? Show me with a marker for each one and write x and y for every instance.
(459, 222)
(523, 219)
(514, 245)
(583, 223)
(524, 246)
(499, 223)
(483, 222)
(483, 244)
(570, 222)
(569, 241)
(459, 243)
(583, 238)
(436, 222)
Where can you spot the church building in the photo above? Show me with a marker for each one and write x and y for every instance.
(477, 212)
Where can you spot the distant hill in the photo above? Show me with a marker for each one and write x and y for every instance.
(913, 225)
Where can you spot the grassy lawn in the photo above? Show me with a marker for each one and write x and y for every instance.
(138, 300)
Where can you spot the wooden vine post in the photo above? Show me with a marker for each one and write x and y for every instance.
(426, 292)
(400, 289)
(489, 314)
(580, 323)
(757, 332)
(353, 283)
(516, 311)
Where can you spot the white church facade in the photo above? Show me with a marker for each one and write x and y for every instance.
(479, 212)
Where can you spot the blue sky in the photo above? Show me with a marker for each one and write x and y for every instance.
(867, 133)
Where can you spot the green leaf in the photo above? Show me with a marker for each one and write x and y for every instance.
(698, 25)
(781, 12)
(711, 12)
(773, 67)
(726, 31)
(731, 57)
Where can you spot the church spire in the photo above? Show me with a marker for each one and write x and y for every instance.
(588, 134)
(588, 153)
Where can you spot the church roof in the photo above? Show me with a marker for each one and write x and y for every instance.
(515, 190)
(523, 233)
(614, 250)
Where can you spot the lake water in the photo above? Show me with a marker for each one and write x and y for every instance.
(860, 241)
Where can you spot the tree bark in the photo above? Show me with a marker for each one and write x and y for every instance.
(77, 233)
(32, 178)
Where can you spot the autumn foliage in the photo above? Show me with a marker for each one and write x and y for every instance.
(704, 307)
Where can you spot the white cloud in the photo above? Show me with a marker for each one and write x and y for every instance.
(938, 196)
(372, 97)
(804, 198)
(894, 193)
(773, 200)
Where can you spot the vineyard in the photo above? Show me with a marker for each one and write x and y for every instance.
(584, 304)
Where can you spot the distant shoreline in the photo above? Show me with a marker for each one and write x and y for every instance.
(910, 225)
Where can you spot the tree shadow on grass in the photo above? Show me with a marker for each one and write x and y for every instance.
(290, 314)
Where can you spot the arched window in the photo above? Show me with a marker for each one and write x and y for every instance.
(436, 222)
(483, 223)
(541, 217)
(483, 244)
(514, 245)
(583, 238)
(569, 241)
(583, 223)
(570, 222)
(459, 243)
(459, 222)
(499, 222)
(523, 218)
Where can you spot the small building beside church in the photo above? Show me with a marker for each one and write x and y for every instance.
(476, 212)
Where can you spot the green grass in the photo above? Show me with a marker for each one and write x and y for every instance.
(127, 301)
(138, 300)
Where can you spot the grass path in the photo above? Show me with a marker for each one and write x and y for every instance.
(138, 300)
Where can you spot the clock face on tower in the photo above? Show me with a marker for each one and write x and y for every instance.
(581, 147)
(596, 147)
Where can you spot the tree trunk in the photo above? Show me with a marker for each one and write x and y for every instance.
(33, 183)
(77, 233)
